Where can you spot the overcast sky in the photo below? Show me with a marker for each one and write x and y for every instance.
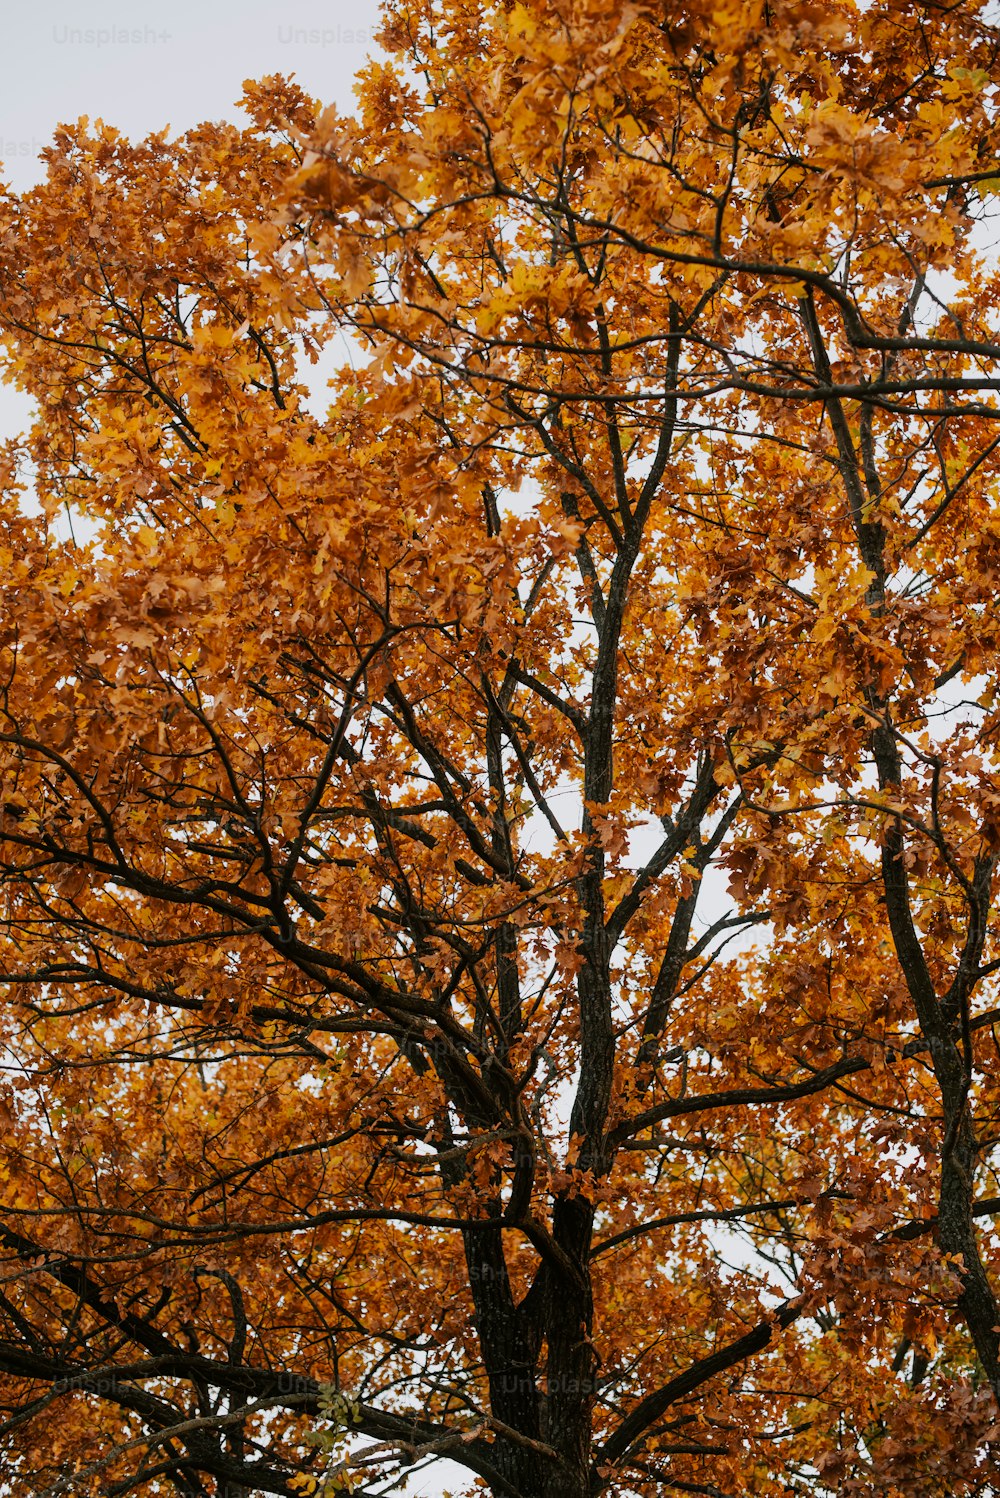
(141, 65)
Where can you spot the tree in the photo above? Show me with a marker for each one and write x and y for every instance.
(498, 874)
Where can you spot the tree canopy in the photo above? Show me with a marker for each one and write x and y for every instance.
(497, 860)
